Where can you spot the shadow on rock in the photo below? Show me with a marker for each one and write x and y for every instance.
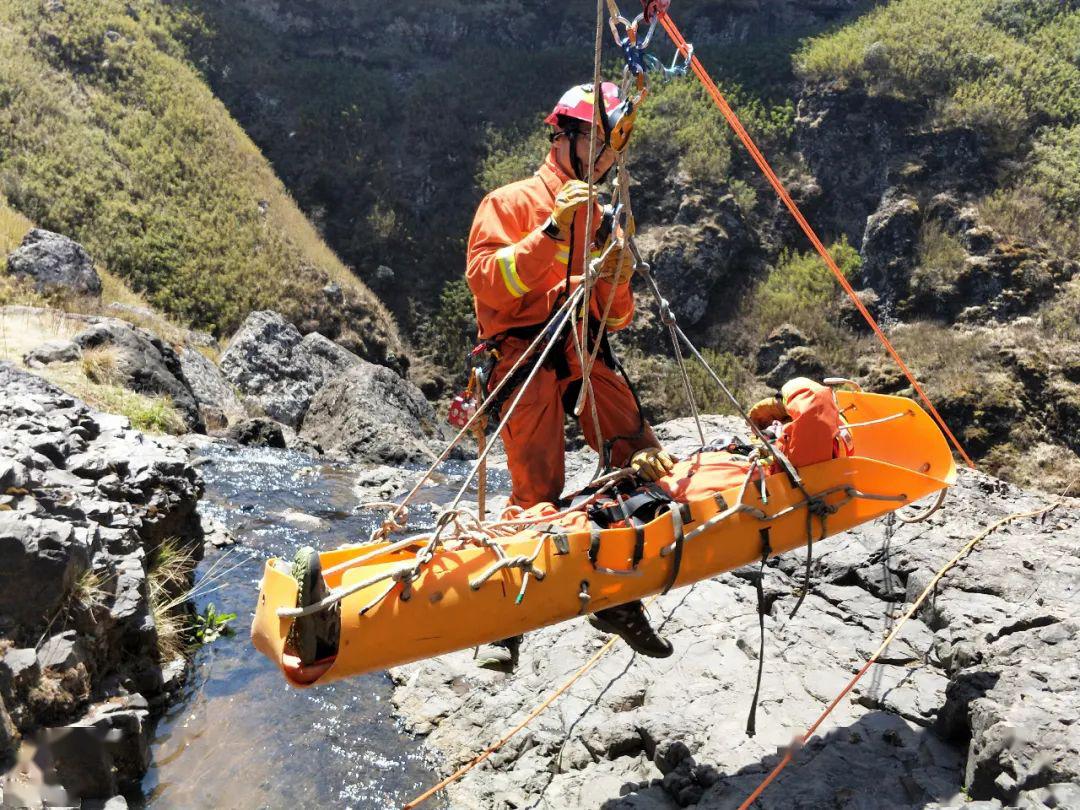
(876, 756)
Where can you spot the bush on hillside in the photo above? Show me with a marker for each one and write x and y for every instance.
(451, 331)
(1022, 213)
(800, 289)
(1057, 168)
(1003, 66)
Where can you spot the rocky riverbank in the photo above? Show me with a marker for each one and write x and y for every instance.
(976, 700)
(90, 512)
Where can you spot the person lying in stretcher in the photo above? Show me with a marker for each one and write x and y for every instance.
(802, 420)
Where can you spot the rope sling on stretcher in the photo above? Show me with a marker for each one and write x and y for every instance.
(456, 529)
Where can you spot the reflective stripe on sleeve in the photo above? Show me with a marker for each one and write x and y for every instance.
(508, 267)
(615, 323)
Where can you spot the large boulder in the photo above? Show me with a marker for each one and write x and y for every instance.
(85, 503)
(278, 369)
(369, 413)
(218, 403)
(890, 245)
(39, 561)
(705, 251)
(258, 432)
(52, 260)
(146, 364)
(52, 351)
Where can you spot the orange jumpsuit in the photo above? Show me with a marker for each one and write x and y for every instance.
(517, 275)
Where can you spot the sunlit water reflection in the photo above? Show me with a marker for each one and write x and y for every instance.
(241, 737)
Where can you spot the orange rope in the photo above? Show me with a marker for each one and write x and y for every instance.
(963, 552)
(774, 181)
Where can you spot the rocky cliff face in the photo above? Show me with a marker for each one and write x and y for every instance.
(86, 506)
(975, 699)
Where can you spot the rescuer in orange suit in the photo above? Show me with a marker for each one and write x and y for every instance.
(523, 237)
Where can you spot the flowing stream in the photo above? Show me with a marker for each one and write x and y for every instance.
(240, 737)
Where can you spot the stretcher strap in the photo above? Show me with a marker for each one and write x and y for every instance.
(766, 550)
(680, 536)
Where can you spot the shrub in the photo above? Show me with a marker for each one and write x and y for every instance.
(510, 156)
(1061, 317)
(941, 262)
(168, 588)
(1056, 168)
(1001, 66)
(801, 290)
(1021, 212)
(451, 331)
(663, 392)
(13, 227)
(99, 365)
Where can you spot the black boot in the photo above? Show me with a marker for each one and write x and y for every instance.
(630, 623)
(315, 637)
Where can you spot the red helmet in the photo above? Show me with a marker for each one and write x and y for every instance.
(577, 103)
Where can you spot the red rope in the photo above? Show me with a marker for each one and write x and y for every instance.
(778, 187)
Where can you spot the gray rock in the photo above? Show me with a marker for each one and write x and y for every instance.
(218, 402)
(216, 533)
(145, 364)
(105, 752)
(123, 493)
(19, 669)
(62, 651)
(258, 432)
(889, 247)
(13, 475)
(277, 369)
(53, 260)
(671, 733)
(801, 361)
(371, 414)
(779, 341)
(42, 551)
(852, 318)
(53, 351)
(699, 255)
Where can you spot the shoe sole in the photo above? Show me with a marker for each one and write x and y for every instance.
(605, 627)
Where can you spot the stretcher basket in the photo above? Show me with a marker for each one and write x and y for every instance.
(902, 458)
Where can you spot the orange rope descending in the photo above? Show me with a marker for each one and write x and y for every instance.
(774, 181)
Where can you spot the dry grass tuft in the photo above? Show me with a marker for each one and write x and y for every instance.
(169, 589)
(100, 365)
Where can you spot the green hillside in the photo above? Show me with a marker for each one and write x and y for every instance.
(108, 135)
(1007, 69)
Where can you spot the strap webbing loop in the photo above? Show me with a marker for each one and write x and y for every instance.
(766, 550)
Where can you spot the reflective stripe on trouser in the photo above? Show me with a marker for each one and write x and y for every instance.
(534, 437)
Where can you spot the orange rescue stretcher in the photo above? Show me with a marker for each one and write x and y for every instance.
(457, 602)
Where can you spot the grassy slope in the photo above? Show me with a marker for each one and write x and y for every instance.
(1008, 69)
(106, 134)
